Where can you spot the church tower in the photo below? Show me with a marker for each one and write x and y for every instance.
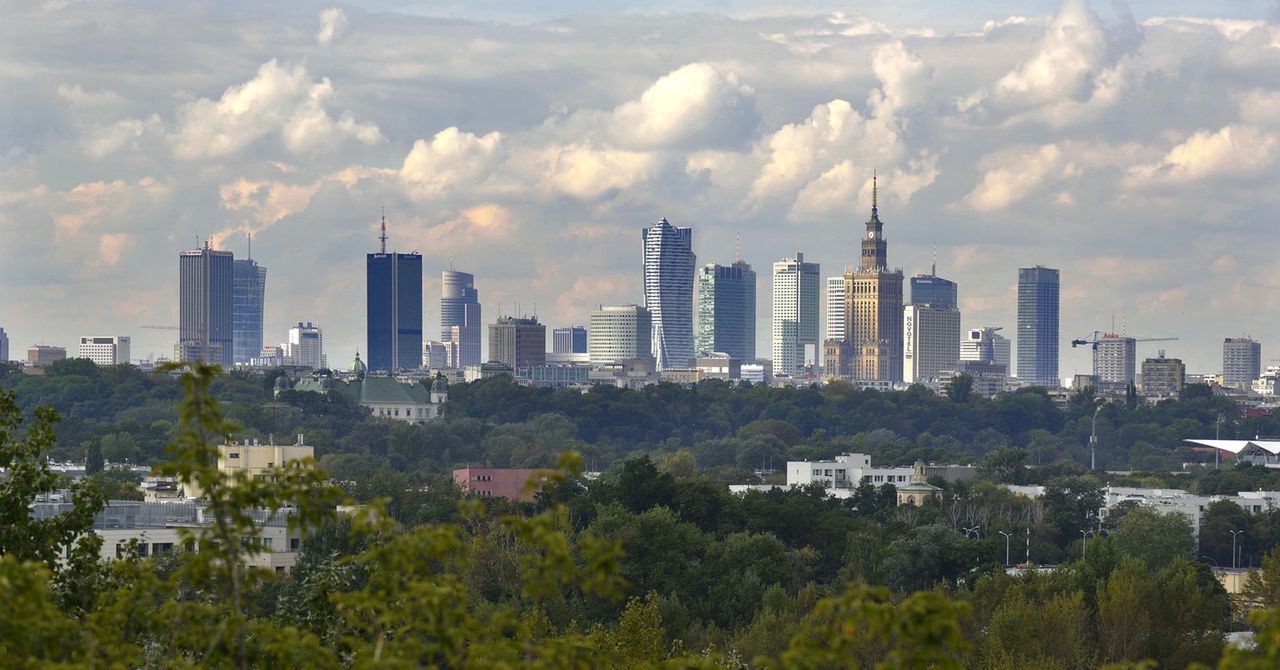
(873, 305)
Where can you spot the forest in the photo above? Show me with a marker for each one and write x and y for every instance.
(652, 563)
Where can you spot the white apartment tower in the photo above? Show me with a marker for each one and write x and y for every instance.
(305, 346)
(105, 349)
(795, 314)
(1115, 361)
(930, 342)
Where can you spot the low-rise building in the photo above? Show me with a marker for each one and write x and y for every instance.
(40, 355)
(848, 471)
(509, 483)
(385, 397)
(105, 350)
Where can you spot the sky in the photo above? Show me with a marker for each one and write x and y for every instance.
(1133, 146)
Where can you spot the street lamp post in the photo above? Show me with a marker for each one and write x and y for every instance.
(1006, 546)
(1217, 435)
(1093, 436)
(1234, 533)
(1084, 541)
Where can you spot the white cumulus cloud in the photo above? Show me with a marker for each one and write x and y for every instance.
(333, 21)
(697, 104)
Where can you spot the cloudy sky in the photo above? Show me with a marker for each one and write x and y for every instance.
(1133, 146)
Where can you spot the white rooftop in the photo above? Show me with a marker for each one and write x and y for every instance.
(1237, 446)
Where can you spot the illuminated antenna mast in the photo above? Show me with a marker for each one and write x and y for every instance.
(383, 235)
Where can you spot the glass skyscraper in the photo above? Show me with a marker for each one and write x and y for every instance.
(668, 292)
(460, 325)
(248, 292)
(727, 311)
(933, 290)
(569, 340)
(1038, 326)
(394, 309)
(204, 306)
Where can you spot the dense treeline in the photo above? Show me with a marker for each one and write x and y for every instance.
(639, 568)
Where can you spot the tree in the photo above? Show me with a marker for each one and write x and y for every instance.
(1262, 586)
(960, 388)
(93, 457)
(1154, 538)
(1124, 618)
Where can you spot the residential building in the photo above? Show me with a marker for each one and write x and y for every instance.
(619, 333)
(305, 347)
(4, 346)
(668, 292)
(989, 378)
(253, 460)
(460, 324)
(931, 342)
(1241, 362)
(394, 308)
(849, 471)
(204, 306)
(986, 345)
(105, 349)
(837, 358)
(1038, 291)
(873, 307)
(248, 294)
(1115, 360)
(718, 366)
(271, 356)
(795, 315)
(727, 310)
(569, 340)
(518, 342)
(754, 373)
(40, 355)
(835, 326)
(1163, 377)
(509, 483)
(1266, 384)
(434, 355)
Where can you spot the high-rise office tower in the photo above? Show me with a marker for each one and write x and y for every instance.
(248, 293)
(1038, 326)
(1115, 361)
(619, 333)
(873, 306)
(668, 292)
(985, 345)
(518, 342)
(796, 297)
(930, 342)
(305, 346)
(394, 308)
(204, 306)
(1241, 362)
(931, 289)
(727, 310)
(569, 340)
(460, 324)
(434, 355)
(1163, 377)
(4, 346)
(835, 327)
(105, 349)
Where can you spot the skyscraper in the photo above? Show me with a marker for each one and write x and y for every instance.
(1038, 326)
(4, 346)
(204, 306)
(931, 289)
(1241, 362)
(727, 310)
(873, 306)
(985, 345)
(460, 324)
(518, 342)
(394, 309)
(835, 328)
(305, 346)
(618, 333)
(1115, 361)
(569, 340)
(796, 297)
(248, 294)
(931, 342)
(668, 292)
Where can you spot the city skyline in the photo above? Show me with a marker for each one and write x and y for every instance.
(1145, 219)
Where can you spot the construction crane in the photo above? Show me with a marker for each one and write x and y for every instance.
(1098, 336)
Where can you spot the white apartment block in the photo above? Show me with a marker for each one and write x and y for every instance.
(305, 347)
(105, 349)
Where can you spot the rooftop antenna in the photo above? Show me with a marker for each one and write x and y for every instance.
(383, 236)
(451, 261)
(250, 252)
(934, 271)
(737, 247)
(874, 191)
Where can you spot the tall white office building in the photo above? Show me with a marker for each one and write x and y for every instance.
(795, 314)
(668, 292)
(835, 328)
(105, 349)
(305, 346)
(618, 333)
(930, 342)
(985, 345)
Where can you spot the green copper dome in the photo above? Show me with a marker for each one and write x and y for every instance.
(357, 365)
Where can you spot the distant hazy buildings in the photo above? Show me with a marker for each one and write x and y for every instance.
(105, 349)
(835, 326)
(4, 346)
(204, 306)
(434, 355)
(248, 293)
(986, 345)
(460, 323)
(40, 355)
(668, 292)
(618, 333)
(1038, 292)
(795, 314)
(931, 342)
(518, 342)
(873, 306)
(1163, 377)
(727, 310)
(1241, 362)
(305, 346)
(569, 340)
(394, 308)
(1115, 361)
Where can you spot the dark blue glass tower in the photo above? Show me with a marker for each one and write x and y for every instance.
(394, 304)
(248, 291)
(1038, 326)
(933, 290)
(204, 306)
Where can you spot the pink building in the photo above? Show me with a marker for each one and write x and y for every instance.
(506, 483)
